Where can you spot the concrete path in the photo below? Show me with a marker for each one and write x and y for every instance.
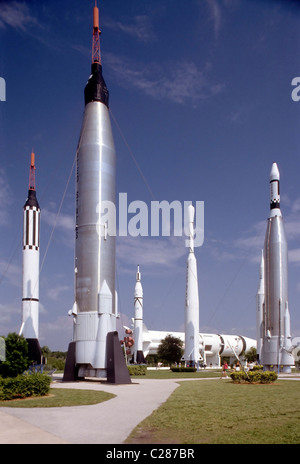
(109, 422)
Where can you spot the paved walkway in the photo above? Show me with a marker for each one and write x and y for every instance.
(103, 423)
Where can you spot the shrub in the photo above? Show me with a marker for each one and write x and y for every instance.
(254, 377)
(137, 369)
(183, 369)
(24, 386)
(257, 367)
(16, 351)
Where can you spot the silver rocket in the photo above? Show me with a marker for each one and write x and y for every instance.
(276, 343)
(94, 309)
(191, 350)
(138, 319)
(31, 258)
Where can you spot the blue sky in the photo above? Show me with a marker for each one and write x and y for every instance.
(200, 102)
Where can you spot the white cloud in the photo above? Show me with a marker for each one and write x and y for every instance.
(183, 83)
(216, 15)
(11, 274)
(55, 293)
(150, 252)
(296, 206)
(56, 334)
(16, 15)
(139, 26)
(64, 222)
(10, 318)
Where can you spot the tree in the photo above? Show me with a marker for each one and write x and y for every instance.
(45, 351)
(251, 355)
(16, 356)
(170, 350)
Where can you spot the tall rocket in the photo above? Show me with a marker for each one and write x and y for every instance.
(94, 309)
(276, 345)
(138, 319)
(260, 298)
(191, 351)
(31, 258)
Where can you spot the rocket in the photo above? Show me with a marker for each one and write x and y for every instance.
(138, 319)
(94, 310)
(191, 350)
(260, 297)
(276, 344)
(31, 258)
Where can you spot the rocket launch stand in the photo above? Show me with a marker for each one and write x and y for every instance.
(117, 371)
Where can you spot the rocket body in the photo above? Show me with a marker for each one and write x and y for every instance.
(260, 298)
(31, 263)
(31, 259)
(94, 309)
(94, 247)
(191, 351)
(138, 319)
(276, 322)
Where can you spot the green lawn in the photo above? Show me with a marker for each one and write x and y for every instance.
(60, 397)
(168, 374)
(220, 412)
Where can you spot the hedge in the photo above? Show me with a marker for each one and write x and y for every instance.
(137, 369)
(183, 369)
(254, 377)
(24, 386)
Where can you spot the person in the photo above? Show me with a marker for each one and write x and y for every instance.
(225, 368)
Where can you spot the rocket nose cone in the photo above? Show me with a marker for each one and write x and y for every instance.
(274, 174)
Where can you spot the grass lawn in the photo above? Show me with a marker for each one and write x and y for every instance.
(168, 374)
(59, 398)
(220, 412)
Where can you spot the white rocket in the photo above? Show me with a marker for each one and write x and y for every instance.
(94, 309)
(260, 298)
(191, 351)
(276, 347)
(31, 258)
(138, 319)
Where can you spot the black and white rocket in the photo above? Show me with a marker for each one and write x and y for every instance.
(276, 337)
(31, 258)
(191, 350)
(138, 319)
(94, 310)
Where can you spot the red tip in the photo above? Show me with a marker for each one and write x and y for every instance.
(32, 173)
(32, 159)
